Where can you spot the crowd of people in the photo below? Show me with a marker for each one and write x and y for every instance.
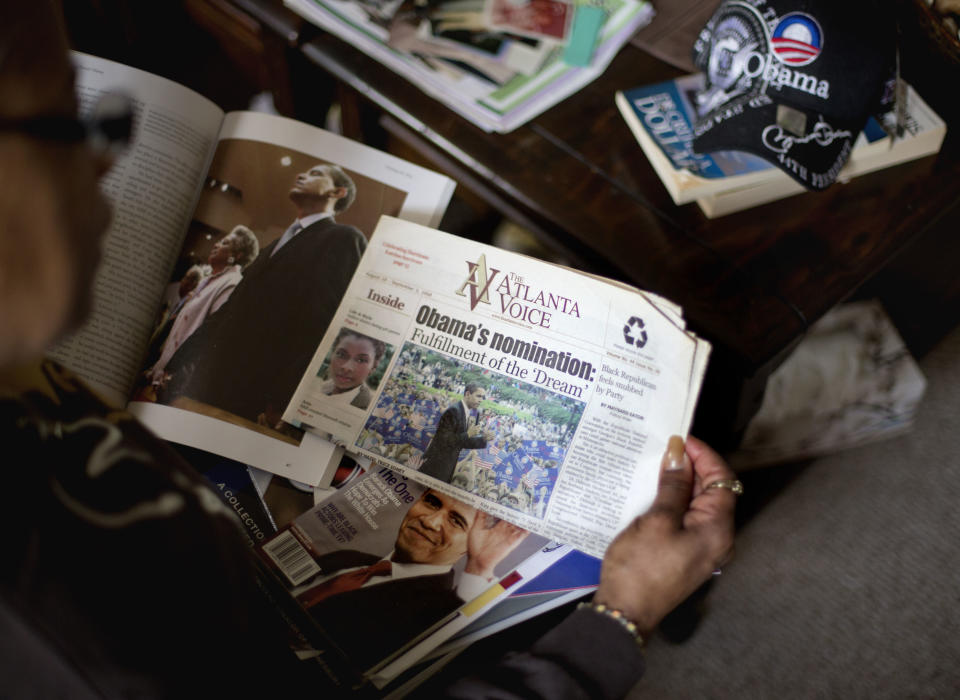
(517, 466)
(438, 372)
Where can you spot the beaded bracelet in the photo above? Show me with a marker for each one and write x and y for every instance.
(616, 615)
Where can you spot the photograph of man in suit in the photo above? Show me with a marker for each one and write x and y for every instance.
(249, 356)
(370, 606)
(458, 429)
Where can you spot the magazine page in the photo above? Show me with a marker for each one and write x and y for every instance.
(152, 187)
(539, 394)
(280, 225)
(385, 562)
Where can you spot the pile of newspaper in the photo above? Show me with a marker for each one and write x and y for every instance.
(497, 63)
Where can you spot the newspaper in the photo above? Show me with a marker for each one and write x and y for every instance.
(543, 395)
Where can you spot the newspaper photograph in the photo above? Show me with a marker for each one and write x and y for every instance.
(540, 394)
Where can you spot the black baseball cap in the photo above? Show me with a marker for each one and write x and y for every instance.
(793, 81)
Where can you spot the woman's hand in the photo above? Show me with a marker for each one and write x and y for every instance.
(665, 554)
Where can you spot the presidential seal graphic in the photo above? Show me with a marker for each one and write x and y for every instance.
(797, 39)
(736, 44)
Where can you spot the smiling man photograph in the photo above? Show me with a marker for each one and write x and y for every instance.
(373, 605)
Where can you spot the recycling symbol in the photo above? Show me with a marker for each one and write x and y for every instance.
(641, 338)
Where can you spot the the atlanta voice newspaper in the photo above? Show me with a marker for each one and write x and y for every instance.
(540, 394)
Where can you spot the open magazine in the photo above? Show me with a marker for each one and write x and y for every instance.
(209, 303)
(387, 569)
(540, 394)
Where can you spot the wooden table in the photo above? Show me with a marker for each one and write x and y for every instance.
(751, 282)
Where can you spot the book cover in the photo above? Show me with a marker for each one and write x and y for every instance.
(661, 117)
(234, 484)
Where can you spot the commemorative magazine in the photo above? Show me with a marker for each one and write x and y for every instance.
(385, 569)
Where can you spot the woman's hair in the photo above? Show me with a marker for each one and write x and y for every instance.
(246, 247)
(197, 273)
(379, 347)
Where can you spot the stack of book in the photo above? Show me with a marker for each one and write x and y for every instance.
(661, 117)
(461, 429)
(498, 63)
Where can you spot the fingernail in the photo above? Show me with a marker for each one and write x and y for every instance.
(673, 457)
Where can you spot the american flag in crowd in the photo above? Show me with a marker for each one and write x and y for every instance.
(532, 477)
(487, 457)
(548, 478)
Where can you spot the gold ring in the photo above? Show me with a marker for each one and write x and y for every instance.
(735, 486)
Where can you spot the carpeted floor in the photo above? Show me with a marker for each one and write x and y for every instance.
(846, 583)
